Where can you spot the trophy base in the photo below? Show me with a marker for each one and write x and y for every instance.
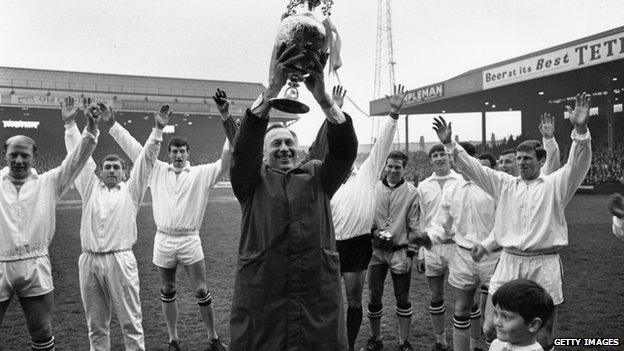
(289, 105)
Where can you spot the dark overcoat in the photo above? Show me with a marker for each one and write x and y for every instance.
(287, 293)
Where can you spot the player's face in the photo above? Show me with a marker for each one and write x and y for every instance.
(511, 327)
(178, 155)
(528, 165)
(394, 170)
(112, 173)
(280, 149)
(507, 164)
(441, 162)
(19, 156)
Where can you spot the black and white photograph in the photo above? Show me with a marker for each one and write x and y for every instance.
(312, 175)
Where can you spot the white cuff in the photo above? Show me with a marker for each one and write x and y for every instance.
(581, 138)
(452, 146)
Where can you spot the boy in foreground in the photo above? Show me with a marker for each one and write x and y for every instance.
(521, 307)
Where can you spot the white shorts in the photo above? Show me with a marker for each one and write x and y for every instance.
(171, 250)
(398, 261)
(466, 274)
(546, 270)
(25, 278)
(438, 258)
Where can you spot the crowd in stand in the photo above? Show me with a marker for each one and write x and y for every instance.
(605, 169)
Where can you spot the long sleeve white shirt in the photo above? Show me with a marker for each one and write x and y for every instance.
(178, 200)
(618, 227)
(430, 195)
(27, 217)
(530, 215)
(108, 222)
(469, 210)
(353, 205)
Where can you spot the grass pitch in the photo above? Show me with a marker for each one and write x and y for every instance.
(593, 283)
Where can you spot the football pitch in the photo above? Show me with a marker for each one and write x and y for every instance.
(593, 283)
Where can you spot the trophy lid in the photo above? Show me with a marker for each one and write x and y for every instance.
(311, 5)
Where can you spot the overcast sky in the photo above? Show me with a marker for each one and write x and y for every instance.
(232, 40)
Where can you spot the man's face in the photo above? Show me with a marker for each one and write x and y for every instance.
(511, 327)
(507, 164)
(178, 155)
(528, 164)
(280, 149)
(441, 162)
(394, 170)
(112, 173)
(19, 156)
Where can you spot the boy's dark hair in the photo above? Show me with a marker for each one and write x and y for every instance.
(397, 155)
(436, 148)
(488, 156)
(525, 297)
(532, 145)
(471, 150)
(179, 142)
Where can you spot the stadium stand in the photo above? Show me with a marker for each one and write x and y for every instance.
(204, 133)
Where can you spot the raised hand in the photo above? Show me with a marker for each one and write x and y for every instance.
(162, 116)
(338, 95)
(107, 113)
(223, 104)
(69, 110)
(397, 98)
(282, 66)
(86, 102)
(580, 114)
(547, 126)
(616, 205)
(443, 130)
(93, 112)
(315, 82)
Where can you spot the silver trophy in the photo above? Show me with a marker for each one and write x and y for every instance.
(300, 27)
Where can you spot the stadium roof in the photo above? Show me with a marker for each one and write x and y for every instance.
(41, 88)
(538, 82)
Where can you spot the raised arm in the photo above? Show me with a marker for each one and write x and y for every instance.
(86, 179)
(553, 157)
(341, 139)
(223, 105)
(374, 163)
(218, 169)
(66, 173)
(318, 149)
(571, 175)
(130, 146)
(144, 163)
(489, 180)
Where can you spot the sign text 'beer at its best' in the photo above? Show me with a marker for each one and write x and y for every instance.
(592, 52)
